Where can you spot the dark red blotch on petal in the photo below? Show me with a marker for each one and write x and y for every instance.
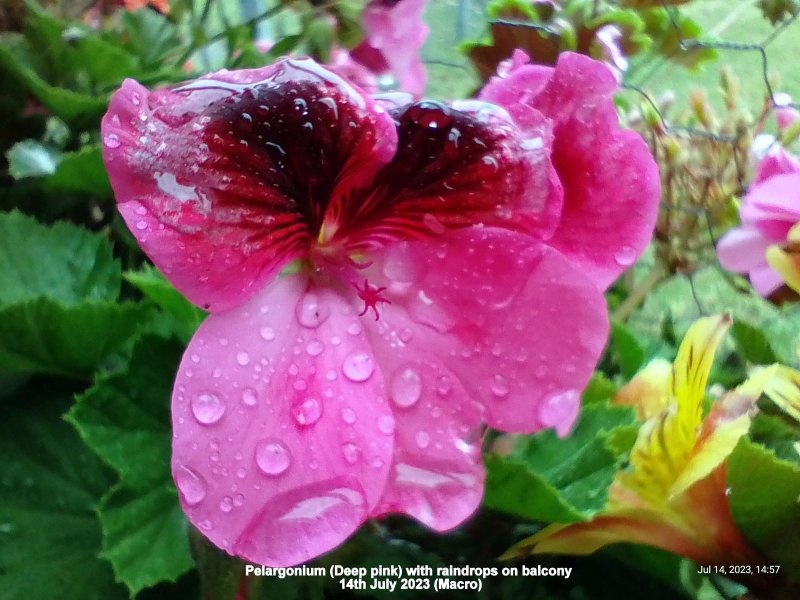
(451, 170)
(285, 147)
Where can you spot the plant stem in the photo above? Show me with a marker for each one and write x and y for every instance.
(638, 295)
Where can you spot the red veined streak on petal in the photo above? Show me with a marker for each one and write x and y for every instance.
(452, 169)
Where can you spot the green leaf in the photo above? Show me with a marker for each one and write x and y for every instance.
(764, 496)
(778, 433)
(675, 301)
(42, 336)
(74, 107)
(105, 63)
(752, 343)
(150, 36)
(627, 349)
(62, 262)
(145, 535)
(125, 419)
(49, 534)
(81, 171)
(220, 573)
(553, 480)
(158, 290)
(676, 38)
(30, 158)
(599, 389)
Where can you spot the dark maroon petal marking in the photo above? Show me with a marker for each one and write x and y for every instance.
(451, 170)
(244, 171)
(225, 179)
(282, 149)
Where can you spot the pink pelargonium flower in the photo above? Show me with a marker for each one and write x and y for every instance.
(395, 33)
(382, 280)
(768, 211)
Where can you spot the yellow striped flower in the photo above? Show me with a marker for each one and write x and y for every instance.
(672, 494)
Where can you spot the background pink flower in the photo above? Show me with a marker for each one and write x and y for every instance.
(448, 272)
(768, 211)
(395, 33)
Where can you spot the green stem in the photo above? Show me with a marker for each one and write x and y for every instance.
(638, 295)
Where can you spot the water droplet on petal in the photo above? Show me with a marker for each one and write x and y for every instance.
(358, 366)
(141, 225)
(443, 385)
(423, 439)
(499, 386)
(625, 256)
(111, 140)
(268, 333)
(249, 397)
(559, 410)
(307, 412)
(354, 328)
(238, 499)
(351, 453)
(207, 408)
(348, 415)
(243, 358)
(226, 504)
(311, 312)
(329, 510)
(406, 387)
(272, 457)
(191, 485)
(386, 424)
(315, 348)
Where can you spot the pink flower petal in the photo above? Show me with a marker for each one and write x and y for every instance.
(765, 280)
(742, 249)
(611, 184)
(395, 33)
(216, 181)
(437, 474)
(778, 198)
(518, 326)
(282, 434)
(777, 162)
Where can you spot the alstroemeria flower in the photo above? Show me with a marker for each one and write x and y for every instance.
(395, 33)
(446, 268)
(768, 212)
(673, 493)
(783, 388)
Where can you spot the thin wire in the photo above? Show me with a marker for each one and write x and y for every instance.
(692, 44)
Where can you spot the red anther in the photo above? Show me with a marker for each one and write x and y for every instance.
(371, 295)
